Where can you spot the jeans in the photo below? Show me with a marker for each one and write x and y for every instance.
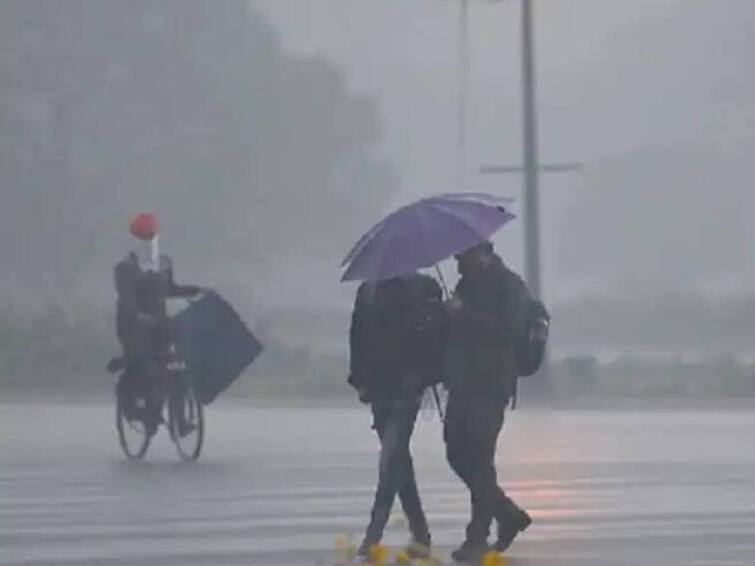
(471, 433)
(394, 423)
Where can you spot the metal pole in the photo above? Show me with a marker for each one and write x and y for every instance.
(462, 84)
(529, 124)
(566, 167)
(529, 131)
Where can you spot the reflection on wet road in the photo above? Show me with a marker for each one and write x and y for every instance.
(277, 486)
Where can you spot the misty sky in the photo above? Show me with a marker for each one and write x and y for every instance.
(293, 153)
(655, 97)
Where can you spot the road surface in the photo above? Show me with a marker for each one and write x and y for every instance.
(279, 485)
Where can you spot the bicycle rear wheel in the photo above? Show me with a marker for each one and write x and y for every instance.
(132, 433)
(187, 424)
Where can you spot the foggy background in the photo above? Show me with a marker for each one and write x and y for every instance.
(267, 135)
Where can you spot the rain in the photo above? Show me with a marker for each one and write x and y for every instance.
(264, 138)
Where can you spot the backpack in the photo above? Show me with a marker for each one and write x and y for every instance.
(426, 330)
(531, 349)
(419, 333)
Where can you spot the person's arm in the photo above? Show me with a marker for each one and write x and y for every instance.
(431, 289)
(478, 320)
(125, 286)
(176, 290)
(429, 359)
(502, 320)
(472, 319)
(514, 301)
(358, 375)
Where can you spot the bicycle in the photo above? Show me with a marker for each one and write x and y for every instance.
(170, 400)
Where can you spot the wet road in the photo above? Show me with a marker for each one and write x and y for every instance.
(278, 485)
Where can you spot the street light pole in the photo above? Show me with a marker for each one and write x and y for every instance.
(532, 167)
(529, 131)
(462, 81)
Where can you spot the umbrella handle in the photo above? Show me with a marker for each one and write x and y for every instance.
(438, 404)
(446, 293)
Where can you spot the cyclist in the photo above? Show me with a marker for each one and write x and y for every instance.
(144, 281)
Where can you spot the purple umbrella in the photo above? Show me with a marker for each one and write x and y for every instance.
(424, 233)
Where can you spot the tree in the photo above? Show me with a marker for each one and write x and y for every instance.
(187, 107)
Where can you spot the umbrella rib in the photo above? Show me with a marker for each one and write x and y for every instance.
(443, 226)
(364, 240)
(378, 246)
(473, 197)
(458, 220)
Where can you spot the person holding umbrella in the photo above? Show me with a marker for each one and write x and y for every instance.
(483, 322)
(487, 317)
(395, 345)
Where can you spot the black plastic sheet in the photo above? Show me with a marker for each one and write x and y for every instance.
(215, 343)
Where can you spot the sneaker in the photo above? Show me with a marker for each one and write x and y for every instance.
(364, 553)
(508, 531)
(470, 552)
(418, 550)
(360, 559)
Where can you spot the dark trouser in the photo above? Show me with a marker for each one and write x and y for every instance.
(471, 432)
(394, 424)
(143, 348)
(139, 382)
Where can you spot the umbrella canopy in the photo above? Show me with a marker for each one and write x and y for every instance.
(424, 233)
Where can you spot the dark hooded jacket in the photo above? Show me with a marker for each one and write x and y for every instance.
(144, 292)
(396, 337)
(483, 334)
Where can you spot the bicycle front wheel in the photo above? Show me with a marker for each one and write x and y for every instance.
(132, 432)
(187, 424)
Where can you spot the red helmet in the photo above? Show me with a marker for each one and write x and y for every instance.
(143, 226)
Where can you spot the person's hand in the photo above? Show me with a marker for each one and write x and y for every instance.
(145, 319)
(454, 304)
(364, 395)
(196, 291)
(412, 383)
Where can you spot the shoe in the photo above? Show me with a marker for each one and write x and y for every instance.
(364, 553)
(185, 429)
(508, 530)
(371, 553)
(116, 364)
(418, 550)
(150, 427)
(152, 421)
(470, 552)
(131, 413)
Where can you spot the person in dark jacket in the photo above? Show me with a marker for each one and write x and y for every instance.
(395, 347)
(486, 319)
(144, 281)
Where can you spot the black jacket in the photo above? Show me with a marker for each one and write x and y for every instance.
(141, 292)
(483, 335)
(396, 336)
